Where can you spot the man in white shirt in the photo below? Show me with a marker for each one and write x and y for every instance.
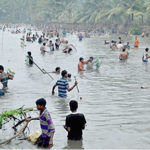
(120, 45)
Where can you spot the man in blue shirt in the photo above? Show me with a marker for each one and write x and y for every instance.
(63, 85)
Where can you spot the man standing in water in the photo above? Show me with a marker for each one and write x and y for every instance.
(29, 59)
(136, 42)
(4, 77)
(75, 122)
(43, 48)
(82, 63)
(46, 138)
(68, 48)
(63, 85)
(146, 55)
(123, 55)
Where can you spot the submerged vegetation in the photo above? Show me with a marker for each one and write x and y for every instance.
(6, 116)
(76, 11)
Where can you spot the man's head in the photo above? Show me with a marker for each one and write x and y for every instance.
(123, 49)
(81, 59)
(64, 74)
(44, 44)
(41, 103)
(147, 49)
(73, 105)
(1, 68)
(57, 69)
(69, 75)
(91, 59)
(29, 53)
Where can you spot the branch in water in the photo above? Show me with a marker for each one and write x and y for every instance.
(19, 132)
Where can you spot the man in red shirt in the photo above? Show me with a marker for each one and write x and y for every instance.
(82, 63)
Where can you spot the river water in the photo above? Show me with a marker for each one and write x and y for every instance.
(117, 110)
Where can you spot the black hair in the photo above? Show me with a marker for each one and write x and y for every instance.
(81, 58)
(147, 49)
(57, 68)
(41, 102)
(70, 49)
(1, 67)
(73, 105)
(63, 73)
(44, 44)
(123, 49)
(29, 53)
(69, 75)
(91, 58)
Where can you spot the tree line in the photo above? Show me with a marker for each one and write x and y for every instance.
(76, 11)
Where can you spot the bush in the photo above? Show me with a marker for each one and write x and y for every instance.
(136, 30)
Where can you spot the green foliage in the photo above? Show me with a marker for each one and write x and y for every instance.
(136, 30)
(8, 114)
(79, 11)
(5, 115)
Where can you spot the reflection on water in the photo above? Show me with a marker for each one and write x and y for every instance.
(116, 108)
(74, 145)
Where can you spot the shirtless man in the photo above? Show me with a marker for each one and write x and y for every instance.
(68, 48)
(57, 70)
(43, 48)
(123, 55)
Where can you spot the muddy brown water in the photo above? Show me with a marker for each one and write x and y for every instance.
(116, 109)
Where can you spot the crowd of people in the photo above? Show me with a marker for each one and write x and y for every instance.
(75, 122)
(125, 47)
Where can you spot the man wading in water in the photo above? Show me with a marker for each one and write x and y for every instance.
(63, 85)
(4, 77)
(46, 138)
(82, 63)
(145, 55)
(29, 59)
(136, 42)
(123, 55)
(75, 122)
